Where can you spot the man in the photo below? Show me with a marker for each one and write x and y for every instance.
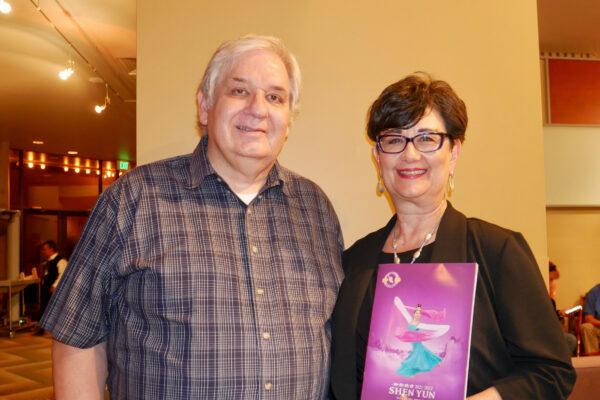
(53, 268)
(590, 329)
(553, 276)
(212, 275)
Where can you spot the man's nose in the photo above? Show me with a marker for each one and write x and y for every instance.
(258, 105)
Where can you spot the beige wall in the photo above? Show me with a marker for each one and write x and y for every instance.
(572, 165)
(573, 237)
(349, 51)
(4, 175)
(573, 179)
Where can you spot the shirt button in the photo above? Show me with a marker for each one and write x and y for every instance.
(260, 291)
(268, 386)
(266, 335)
(254, 249)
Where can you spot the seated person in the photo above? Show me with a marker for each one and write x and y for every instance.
(554, 275)
(590, 329)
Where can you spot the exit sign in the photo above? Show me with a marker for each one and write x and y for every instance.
(123, 165)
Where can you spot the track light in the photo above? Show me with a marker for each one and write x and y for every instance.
(100, 108)
(5, 7)
(67, 72)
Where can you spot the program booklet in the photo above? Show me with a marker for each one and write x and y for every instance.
(420, 332)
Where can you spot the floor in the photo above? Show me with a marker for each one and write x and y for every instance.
(26, 370)
(25, 367)
(588, 378)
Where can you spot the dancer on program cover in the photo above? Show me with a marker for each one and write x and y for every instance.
(420, 359)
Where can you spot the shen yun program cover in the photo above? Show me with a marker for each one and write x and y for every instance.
(420, 332)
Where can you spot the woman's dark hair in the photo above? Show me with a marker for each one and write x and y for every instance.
(402, 105)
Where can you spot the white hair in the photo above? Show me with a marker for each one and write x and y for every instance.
(231, 50)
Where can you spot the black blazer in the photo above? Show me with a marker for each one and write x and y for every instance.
(517, 344)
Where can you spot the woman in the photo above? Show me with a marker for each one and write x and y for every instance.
(517, 351)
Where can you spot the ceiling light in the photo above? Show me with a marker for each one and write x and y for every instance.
(100, 108)
(72, 153)
(38, 142)
(66, 169)
(42, 166)
(68, 71)
(30, 164)
(5, 7)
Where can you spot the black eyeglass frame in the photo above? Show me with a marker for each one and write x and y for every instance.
(409, 140)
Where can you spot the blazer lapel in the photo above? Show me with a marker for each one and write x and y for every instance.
(451, 240)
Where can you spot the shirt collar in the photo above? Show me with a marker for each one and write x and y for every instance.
(200, 168)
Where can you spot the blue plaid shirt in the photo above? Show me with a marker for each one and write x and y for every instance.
(200, 296)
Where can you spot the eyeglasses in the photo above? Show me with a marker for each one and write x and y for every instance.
(394, 143)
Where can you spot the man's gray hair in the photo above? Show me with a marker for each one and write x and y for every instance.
(231, 50)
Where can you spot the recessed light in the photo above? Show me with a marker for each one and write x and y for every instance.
(72, 153)
(38, 142)
(5, 7)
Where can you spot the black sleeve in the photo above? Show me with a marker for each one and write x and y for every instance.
(530, 328)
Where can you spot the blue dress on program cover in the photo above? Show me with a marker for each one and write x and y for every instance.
(420, 359)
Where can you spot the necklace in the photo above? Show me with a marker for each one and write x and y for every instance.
(417, 253)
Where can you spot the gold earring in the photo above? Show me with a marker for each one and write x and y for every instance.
(450, 184)
(380, 186)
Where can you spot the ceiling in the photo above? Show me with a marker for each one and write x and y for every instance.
(36, 105)
(569, 26)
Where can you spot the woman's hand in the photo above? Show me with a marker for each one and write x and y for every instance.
(488, 394)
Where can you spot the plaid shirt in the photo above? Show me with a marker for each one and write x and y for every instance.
(200, 296)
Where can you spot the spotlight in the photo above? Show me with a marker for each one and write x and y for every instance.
(66, 169)
(67, 72)
(99, 108)
(42, 166)
(30, 164)
(5, 7)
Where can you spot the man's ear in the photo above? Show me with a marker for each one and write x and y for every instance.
(202, 109)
